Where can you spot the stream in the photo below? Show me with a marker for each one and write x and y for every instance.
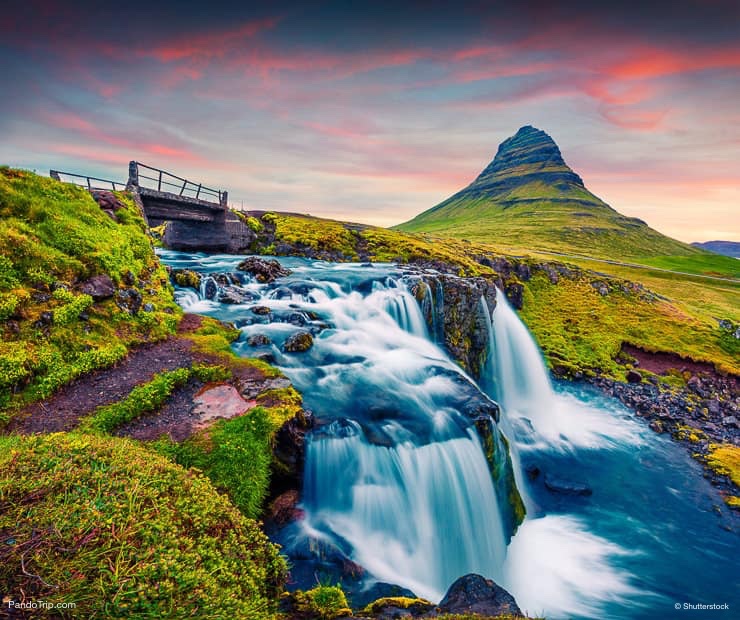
(620, 521)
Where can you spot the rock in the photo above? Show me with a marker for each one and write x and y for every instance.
(284, 508)
(186, 278)
(99, 287)
(258, 340)
(290, 449)
(633, 376)
(515, 294)
(221, 401)
(45, 318)
(235, 295)
(107, 201)
(263, 270)
(601, 287)
(730, 421)
(714, 407)
(378, 591)
(398, 607)
(298, 342)
(211, 289)
(566, 487)
(260, 310)
(478, 595)
(129, 299)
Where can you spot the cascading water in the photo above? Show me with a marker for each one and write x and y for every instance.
(397, 480)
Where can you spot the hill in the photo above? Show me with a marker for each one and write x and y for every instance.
(529, 198)
(726, 248)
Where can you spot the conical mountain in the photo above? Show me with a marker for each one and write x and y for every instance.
(529, 198)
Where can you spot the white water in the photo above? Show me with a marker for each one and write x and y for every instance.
(540, 417)
(574, 569)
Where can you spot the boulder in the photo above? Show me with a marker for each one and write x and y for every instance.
(186, 278)
(258, 340)
(263, 270)
(99, 287)
(298, 342)
(235, 295)
(129, 299)
(473, 594)
(633, 376)
(566, 487)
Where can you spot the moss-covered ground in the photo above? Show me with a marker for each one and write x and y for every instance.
(105, 524)
(55, 236)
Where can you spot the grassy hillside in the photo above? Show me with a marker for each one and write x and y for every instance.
(55, 238)
(529, 199)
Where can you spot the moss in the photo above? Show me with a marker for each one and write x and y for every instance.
(685, 432)
(325, 602)
(187, 278)
(401, 602)
(121, 532)
(236, 455)
(724, 459)
(54, 237)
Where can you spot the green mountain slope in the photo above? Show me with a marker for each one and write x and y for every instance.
(528, 197)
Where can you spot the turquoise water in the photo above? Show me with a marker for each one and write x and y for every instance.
(397, 479)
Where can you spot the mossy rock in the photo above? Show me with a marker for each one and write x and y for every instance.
(415, 606)
(122, 532)
(321, 602)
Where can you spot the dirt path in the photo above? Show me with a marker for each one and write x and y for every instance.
(62, 412)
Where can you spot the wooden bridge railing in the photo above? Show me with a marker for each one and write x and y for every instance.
(164, 181)
(85, 181)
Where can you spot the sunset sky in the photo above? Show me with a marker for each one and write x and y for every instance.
(376, 111)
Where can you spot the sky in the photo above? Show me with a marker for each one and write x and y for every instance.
(374, 112)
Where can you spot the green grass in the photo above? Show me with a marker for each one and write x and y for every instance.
(122, 532)
(54, 237)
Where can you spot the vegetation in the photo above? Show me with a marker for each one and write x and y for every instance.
(55, 237)
(325, 602)
(401, 602)
(121, 532)
(724, 459)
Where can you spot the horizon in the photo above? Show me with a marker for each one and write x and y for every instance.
(377, 113)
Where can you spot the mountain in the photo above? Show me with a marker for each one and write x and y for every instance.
(529, 198)
(726, 248)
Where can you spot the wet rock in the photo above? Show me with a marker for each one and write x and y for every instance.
(263, 270)
(473, 594)
(284, 508)
(290, 449)
(298, 342)
(566, 487)
(633, 376)
(210, 289)
(258, 340)
(730, 421)
(260, 310)
(129, 300)
(99, 287)
(186, 278)
(235, 295)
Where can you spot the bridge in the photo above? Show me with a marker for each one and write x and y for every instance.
(197, 216)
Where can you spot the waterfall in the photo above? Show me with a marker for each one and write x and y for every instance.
(418, 516)
(521, 382)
